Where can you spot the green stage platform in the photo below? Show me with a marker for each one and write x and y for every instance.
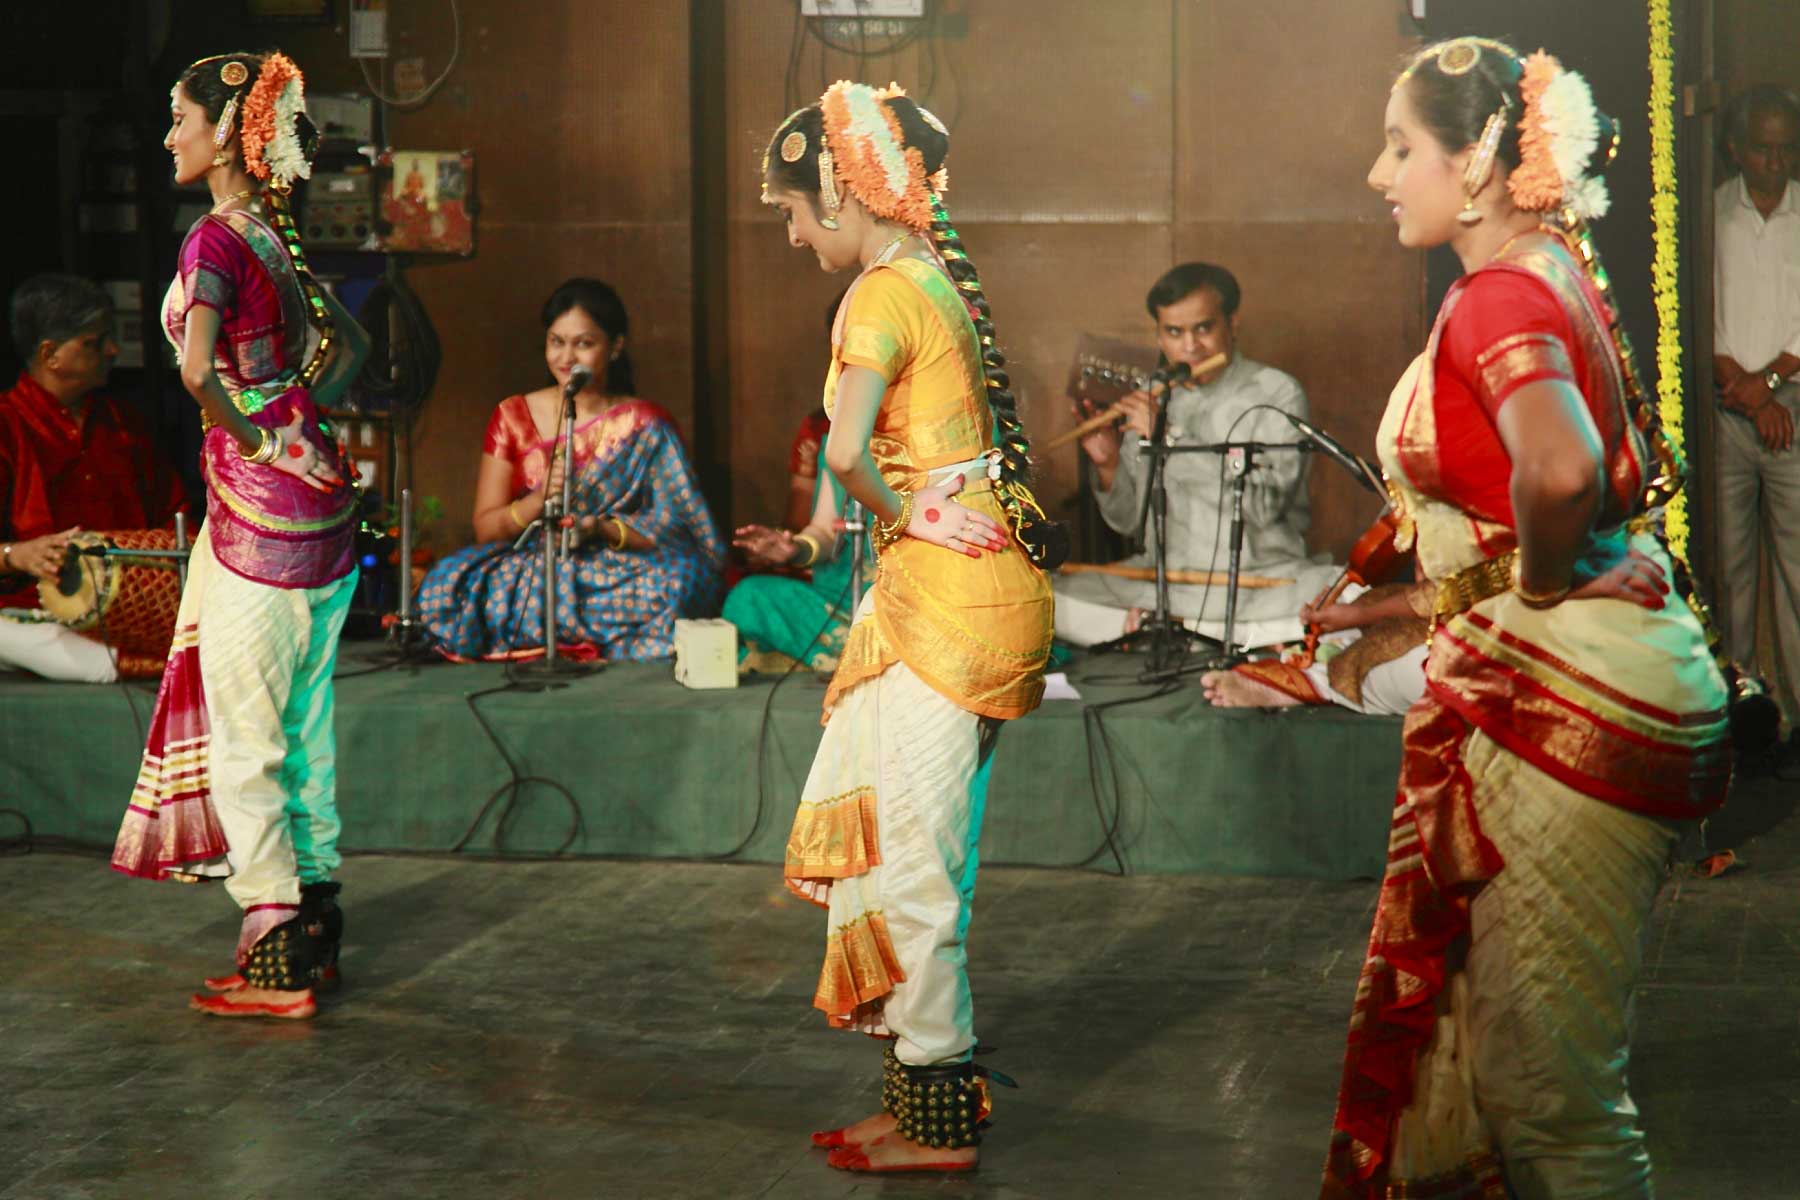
(656, 770)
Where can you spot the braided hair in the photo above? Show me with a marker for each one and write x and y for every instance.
(1045, 542)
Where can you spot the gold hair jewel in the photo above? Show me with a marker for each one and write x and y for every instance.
(1458, 58)
(828, 197)
(1481, 163)
(226, 119)
(793, 146)
(233, 74)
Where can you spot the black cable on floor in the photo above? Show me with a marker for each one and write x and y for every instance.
(762, 732)
(510, 789)
(23, 843)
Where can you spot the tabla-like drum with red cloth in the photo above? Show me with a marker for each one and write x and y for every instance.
(128, 604)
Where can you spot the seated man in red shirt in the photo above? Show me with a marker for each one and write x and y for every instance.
(71, 458)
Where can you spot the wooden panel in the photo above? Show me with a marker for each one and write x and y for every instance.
(1086, 141)
(1278, 107)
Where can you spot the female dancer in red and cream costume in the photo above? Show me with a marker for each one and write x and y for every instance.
(1572, 710)
(239, 774)
(951, 639)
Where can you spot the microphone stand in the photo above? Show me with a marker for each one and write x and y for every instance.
(1240, 459)
(557, 527)
(1169, 636)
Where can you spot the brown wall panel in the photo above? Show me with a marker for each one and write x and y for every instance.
(1278, 108)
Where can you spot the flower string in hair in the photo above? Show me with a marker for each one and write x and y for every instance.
(1557, 138)
(869, 154)
(272, 150)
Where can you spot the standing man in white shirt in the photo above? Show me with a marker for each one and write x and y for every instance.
(1756, 351)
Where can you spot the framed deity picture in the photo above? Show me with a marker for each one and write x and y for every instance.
(289, 12)
(427, 201)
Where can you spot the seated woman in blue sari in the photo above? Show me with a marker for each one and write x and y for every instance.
(648, 549)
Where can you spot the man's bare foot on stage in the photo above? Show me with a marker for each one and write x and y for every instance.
(866, 1130)
(1232, 689)
(895, 1153)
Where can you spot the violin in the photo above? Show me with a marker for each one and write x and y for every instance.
(1373, 559)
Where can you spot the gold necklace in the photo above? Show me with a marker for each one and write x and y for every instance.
(887, 252)
(234, 198)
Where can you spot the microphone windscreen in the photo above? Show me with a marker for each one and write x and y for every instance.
(579, 377)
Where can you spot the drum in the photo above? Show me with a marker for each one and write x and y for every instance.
(128, 604)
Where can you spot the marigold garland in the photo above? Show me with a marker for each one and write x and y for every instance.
(1536, 184)
(866, 148)
(257, 123)
(1665, 266)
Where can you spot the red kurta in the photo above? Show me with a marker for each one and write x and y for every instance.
(103, 474)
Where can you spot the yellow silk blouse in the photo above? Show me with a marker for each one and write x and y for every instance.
(977, 630)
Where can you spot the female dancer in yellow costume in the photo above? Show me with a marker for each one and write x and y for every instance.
(952, 638)
(1572, 710)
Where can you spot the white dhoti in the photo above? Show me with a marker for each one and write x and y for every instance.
(55, 652)
(885, 839)
(1529, 1054)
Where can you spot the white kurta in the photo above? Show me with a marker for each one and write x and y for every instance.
(1237, 406)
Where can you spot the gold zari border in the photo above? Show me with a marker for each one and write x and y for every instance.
(836, 838)
(860, 968)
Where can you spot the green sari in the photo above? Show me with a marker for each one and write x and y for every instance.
(783, 620)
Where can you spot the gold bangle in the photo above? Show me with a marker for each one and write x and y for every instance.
(513, 512)
(266, 449)
(889, 532)
(812, 550)
(624, 534)
(1530, 599)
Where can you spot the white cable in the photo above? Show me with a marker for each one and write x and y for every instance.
(421, 97)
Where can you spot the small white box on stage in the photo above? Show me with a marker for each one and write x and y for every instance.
(706, 654)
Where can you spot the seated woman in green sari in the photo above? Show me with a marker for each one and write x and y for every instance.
(783, 620)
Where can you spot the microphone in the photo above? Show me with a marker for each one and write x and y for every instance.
(1170, 375)
(579, 377)
(1365, 472)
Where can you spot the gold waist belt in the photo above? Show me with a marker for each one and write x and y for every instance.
(1471, 585)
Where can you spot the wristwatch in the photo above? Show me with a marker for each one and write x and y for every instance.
(1774, 380)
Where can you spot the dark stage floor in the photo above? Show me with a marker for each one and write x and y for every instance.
(608, 1029)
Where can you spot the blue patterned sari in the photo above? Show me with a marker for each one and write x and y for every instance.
(486, 600)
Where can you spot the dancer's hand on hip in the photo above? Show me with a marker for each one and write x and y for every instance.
(301, 459)
(939, 520)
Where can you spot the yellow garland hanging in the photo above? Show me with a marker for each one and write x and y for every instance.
(1665, 267)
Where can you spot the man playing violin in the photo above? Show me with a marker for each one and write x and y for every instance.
(1195, 307)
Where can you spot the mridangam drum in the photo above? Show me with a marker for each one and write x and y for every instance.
(128, 604)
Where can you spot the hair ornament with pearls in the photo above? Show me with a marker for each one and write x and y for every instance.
(868, 152)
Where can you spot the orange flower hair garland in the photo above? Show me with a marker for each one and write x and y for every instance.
(272, 149)
(869, 153)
